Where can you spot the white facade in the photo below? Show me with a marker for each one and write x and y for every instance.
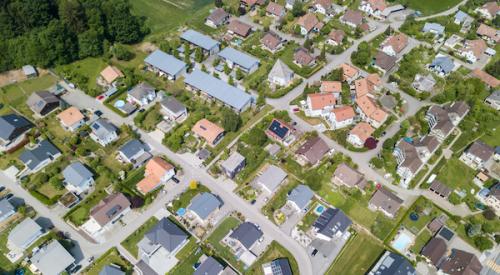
(332, 119)
(389, 50)
(355, 140)
(145, 100)
(104, 141)
(81, 189)
(469, 55)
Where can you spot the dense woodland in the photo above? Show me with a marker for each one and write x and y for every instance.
(53, 32)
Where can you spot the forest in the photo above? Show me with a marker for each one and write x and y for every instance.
(53, 32)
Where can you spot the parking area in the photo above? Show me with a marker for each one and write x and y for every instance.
(325, 253)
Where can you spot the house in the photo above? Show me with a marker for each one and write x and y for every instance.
(309, 23)
(110, 74)
(370, 112)
(7, 210)
(493, 100)
(271, 42)
(13, 130)
(335, 37)
(423, 83)
(156, 173)
(477, 155)
(40, 156)
(442, 120)
(217, 18)
(386, 202)
(434, 28)
(23, 235)
(235, 58)
(363, 87)
(289, 3)
(278, 130)
(442, 65)
(491, 35)
(77, 178)
(165, 65)
(71, 119)
(324, 7)
(103, 132)
(279, 266)
(134, 152)
(374, 8)
(208, 45)
(320, 104)
(350, 73)
(302, 57)
(29, 71)
(473, 50)
(384, 62)
(212, 87)
(236, 27)
(352, 18)
(493, 198)
(141, 94)
(486, 78)
(42, 103)
(108, 211)
(341, 117)
(345, 175)
(331, 87)
(203, 206)
(209, 266)
(312, 151)
(247, 234)
(173, 108)
(395, 44)
(233, 164)
(300, 197)
(440, 189)
(280, 75)
(460, 262)
(359, 134)
(51, 259)
(209, 131)
(275, 9)
(489, 10)
(271, 178)
(452, 41)
(462, 18)
(392, 263)
(111, 270)
(161, 244)
(332, 223)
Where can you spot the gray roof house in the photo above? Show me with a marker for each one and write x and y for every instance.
(204, 204)
(233, 164)
(12, 126)
(111, 270)
(103, 132)
(42, 102)
(209, 266)
(477, 154)
(39, 157)
(386, 201)
(134, 152)
(442, 65)
(271, 178)
(345, 175)
(424, 83)
(205, 42)
(173, 108)
(434, 28)
(165, 234)
(52, 259)
(29, 71)
(215, 88)
(494, 100)
(332, 222)
(78, 178)
(300, 197)
(280, 74)
(247, 234)
(391, 263)
(165, 64)
(6, 209)
(217, 18)
(141, 94)
(233, 57)
(462, 17)
(23, 235)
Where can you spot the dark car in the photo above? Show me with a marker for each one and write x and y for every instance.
(98, 113)
(315, 251)
(176, 180)
(2, 188)
(10, 195)
(253, 202)
(142, 110)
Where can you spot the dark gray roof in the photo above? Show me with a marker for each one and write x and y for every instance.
(332, 221)
(233, 161)
(247, 233)
(218, 16)
(200, 40)
(141, 90)
(102, 128)
(209, 267)
(132, 147)
(281, 266)
(167, 234)
(385, 61)
(76, 174)
(40, 101)
(301, 195)
(172, 104)
(438, 28)
(6, 208)
(203, 204)
(242, 59)
(445, 63)
(45, 150)
(12, 126)
(434, 250)
(495, 96)
(393, 264)
(481, 150)
(461, 262)
(165, 62)
(111, 270)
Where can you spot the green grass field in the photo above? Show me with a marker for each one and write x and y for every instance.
(428, 7)
(130, 243)
(111, 257)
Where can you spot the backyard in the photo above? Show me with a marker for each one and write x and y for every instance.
(130, 243)
(111, 257)
(214, 241)
(428, 7)
(274, 251)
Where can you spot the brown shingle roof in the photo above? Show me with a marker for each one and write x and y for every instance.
(313, 149)
(109, 208)
(354, 17)
(481, 150)
(398, 42)
(440, 188)
(337, 35)
(486, 78)
(434, 250)
(385, 199)
(491, 33)
(271, 40)
(461, 262)
(239, 28)
(303, 57)
(275, 9)
(384, 61)
(308, 21)
(350, 176)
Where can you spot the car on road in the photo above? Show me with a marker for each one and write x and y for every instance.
(253, 202)
(314, 252)
(98, 113)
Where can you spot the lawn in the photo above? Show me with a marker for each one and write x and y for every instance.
(215, 241)
(427, 7)
(421, 241)
(188, 257)
(149, 119)
(84, 72)
(357, 256)
(274, 251)
(130, 243)
(458, 176)
(111, 257)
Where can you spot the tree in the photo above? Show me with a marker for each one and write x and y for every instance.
(473, 229)
(227, 70)
(483, 243)
(187, 53)
(308, 44)
(218, 3)
(489, 214)
(239, 74)
(362, 56)
(72, 13)
(489, 227)
(122, 53)
(198, 55)
(56, 183)
(322, 55)
(122, 26)
(377, 163)
(230, 120)
(297, 30)
(230, 81)
(256, 137)
(298, 9)
(89, 44)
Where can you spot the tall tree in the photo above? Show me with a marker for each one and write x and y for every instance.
(72, 14)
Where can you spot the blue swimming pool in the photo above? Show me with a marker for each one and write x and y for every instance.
(181, 212)
(319, 209)
(402, 242)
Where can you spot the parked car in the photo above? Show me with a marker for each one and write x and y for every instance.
(253, 202)
(176, 180)
(314, 252)
(10, 195)
(2, 188)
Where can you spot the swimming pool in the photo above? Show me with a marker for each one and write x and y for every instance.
(402, 242)
(319, 209)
